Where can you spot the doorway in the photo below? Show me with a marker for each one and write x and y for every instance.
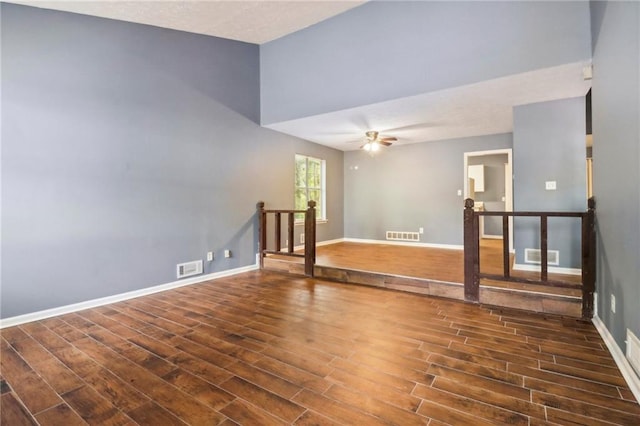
(488, 180)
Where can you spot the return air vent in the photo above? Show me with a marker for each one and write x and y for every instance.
(535, 256)
(403, 236)
(190, 268)
(633, 351)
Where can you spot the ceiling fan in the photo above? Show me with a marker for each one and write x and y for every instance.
(374, 141)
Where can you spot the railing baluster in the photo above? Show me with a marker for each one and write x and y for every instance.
(291, 223)
(278, 232)
(505, 246)
(543, 248)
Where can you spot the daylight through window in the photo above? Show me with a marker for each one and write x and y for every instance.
(310, 185)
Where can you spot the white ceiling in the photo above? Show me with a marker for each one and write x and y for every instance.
(483, 108)
(257, 21)
(477, 109)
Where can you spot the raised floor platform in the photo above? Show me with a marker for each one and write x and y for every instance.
(434, 272)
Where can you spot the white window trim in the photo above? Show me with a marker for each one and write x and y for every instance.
(323, 189)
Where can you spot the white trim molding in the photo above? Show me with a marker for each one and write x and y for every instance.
(625, 367)
(402, 243)
(551, 269)
(53, 312)
(318, 244)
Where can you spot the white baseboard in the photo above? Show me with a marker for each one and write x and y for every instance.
(626, 369)
(551, 269)
(492, 237)
(329, 242)
(318, 244)
(53, 312)
(403, 243)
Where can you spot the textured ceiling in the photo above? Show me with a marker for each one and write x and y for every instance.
(250, 21)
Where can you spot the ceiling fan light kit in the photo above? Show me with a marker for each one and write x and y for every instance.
(374, 142)
(371, 146)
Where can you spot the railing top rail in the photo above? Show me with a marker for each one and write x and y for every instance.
(284, 211)
(533, 214)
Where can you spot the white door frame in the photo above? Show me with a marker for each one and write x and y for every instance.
(508, 184)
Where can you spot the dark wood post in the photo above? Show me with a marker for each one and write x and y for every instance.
(471, 254)
(262, 232)
(310, 239)
(588, 259)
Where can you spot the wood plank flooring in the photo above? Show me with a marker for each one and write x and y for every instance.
(421, 262)
(263, 348)
(435, 272)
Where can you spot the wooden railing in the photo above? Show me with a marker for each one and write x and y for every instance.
(472, 274)
(309, 254)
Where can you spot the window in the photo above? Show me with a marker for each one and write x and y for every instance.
(310, 185)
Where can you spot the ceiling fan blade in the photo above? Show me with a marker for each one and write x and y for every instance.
(388, 139)
(384, 142)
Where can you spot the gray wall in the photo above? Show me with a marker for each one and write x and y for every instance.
(127, 149)
(411, 186)
(616, 159)
(391, 49)
(549, 145)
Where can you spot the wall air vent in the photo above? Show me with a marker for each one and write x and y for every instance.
(633, 351)
(535, 256)
(190, 268)
(403, 236)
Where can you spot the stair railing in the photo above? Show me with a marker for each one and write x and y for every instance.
(472, 274)
(309, 253)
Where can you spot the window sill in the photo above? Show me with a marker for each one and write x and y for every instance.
(318, 221)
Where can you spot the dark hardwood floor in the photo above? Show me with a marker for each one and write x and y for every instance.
(420, 262)
(266, 348)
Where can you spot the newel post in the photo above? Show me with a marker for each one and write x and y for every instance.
(262, 232)
(310, 239)
(588, 258)
(471, 253)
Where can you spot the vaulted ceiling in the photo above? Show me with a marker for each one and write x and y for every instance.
(477, 109)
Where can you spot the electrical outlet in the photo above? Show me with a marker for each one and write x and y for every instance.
(227, 253)
(613, 304)
(209, 256)
(301, 238)
(421, 230)
(459, 192)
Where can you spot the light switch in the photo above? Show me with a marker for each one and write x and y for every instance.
(550, 185)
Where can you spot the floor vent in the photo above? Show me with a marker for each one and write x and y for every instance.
(403, 236)
(190, 268)
(633, 351)
(534, 256)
